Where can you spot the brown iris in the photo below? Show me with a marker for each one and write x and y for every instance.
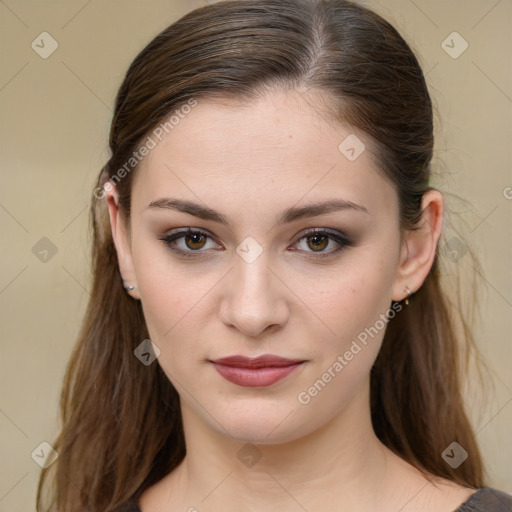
(197, 241)
(320, 241)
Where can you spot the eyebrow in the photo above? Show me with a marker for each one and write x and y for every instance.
(289, 215)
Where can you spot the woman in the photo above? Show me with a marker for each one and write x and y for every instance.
(266, 329)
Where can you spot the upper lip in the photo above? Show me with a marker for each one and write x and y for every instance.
(264, 361)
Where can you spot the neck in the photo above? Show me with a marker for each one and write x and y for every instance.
(343, 458)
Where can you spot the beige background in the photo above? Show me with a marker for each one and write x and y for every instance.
(55, 116)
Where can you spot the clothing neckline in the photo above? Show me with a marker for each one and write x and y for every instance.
(470, 501)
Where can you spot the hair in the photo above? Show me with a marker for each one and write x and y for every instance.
(121, 421)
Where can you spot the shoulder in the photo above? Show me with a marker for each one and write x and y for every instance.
(487, 499)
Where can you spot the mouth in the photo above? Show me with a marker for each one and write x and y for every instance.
(261, 371)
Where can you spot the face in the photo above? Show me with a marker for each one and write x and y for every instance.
(261, 273)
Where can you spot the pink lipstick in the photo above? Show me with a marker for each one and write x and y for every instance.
(261, 371)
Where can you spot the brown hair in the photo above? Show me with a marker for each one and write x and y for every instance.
(121, 421)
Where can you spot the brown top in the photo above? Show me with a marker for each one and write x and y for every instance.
(486, 499)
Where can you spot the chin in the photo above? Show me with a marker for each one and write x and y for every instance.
(268, 423)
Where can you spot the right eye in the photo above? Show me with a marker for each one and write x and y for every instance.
(188, 243)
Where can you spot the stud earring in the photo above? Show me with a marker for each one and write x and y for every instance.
(128, 287)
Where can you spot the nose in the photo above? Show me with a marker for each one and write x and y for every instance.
(254, 298)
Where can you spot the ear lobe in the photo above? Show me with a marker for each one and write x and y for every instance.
(120, 237)
(419, 248)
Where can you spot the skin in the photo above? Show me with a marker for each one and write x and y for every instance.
(250, 163)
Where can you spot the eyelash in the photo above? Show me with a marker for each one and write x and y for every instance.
(337, 237)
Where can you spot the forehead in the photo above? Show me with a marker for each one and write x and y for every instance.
(278, 148)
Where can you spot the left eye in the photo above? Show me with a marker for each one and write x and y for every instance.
(189, 242)
(319, 239)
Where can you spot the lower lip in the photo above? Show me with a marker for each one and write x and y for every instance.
(253, 378)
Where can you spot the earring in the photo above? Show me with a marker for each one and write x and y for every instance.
(128, 287)
(408, 295)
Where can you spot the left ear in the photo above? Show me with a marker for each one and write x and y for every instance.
(419, 247)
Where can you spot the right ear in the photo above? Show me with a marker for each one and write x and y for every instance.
(121, 238)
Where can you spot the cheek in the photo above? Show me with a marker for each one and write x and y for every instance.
(352, 300)
(170, 309)
(352, 334)
(355, 309)
(169, 295)
(356, 312)
(164, 298)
